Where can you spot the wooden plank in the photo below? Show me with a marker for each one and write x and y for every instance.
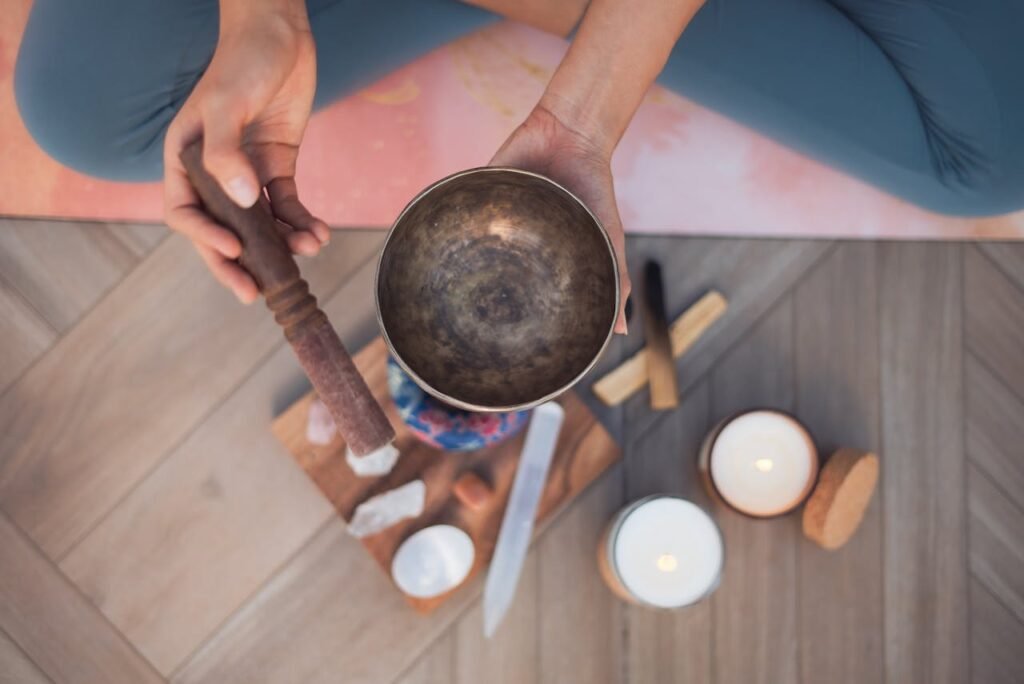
(228, 499)
(751, 274)
(995, 429)
(996, 539)
(994, 325)
(581, 620)
(923, 463)
(996, 636)
(328, 611)
(54, 625)
(837, 384)
(52, 273)
(663, 459)
(1009, 256)
(669, 646)
(584, 451)
(62, 268)
(436, 666)
(135, 376)
(24, 333)
(512, 656)
(16, 667)
(754, 610)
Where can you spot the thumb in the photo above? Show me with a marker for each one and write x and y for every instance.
(224, 158)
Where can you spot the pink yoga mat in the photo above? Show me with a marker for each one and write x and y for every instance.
(680, 168)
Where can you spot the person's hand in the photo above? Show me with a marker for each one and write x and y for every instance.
(543, 144)
(251, 108)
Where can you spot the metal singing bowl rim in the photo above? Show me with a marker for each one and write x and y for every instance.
(455, 401)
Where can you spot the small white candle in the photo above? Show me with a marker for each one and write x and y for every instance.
(433, 561)
(762, 463)
(662, 551)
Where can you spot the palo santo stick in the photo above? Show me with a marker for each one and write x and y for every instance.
(631, 376)
(661, 371)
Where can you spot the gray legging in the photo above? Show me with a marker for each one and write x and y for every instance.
(922, 98)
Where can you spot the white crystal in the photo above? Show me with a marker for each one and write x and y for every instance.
(379, 462)
(320, 427)
(384, 510)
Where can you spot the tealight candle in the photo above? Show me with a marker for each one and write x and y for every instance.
(762, 463)
(661, 551)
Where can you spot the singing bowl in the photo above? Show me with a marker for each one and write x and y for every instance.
(496, 289)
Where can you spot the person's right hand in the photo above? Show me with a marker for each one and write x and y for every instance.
(251, 108)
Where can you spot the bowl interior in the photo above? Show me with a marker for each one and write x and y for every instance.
(497, 289)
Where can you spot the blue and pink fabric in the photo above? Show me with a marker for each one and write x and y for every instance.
(446, 427)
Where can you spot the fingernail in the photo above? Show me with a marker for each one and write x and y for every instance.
(242, 192)
(321, 232)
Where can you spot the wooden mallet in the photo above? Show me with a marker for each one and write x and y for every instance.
(267, 258)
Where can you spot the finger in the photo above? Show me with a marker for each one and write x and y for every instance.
(618, 239)
(223, 156)
(299, 241)
(229, 274)
(198, 227)
(625, 287)
(284, 200)
(524, 149)
(182, 212)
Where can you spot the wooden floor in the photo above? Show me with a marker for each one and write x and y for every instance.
(151, 528)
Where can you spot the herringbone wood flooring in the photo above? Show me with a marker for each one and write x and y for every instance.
(151, 529)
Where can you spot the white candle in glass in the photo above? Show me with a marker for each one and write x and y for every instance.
(663, 552)
(762, 463)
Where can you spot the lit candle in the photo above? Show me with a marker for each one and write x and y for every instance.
(762, 463)
(661, 551)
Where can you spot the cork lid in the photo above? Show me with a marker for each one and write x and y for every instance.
(837, 505)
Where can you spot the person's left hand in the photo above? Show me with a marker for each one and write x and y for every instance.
(544, 145)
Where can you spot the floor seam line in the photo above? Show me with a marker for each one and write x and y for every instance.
(89, 605)
(981, 251)
(23, 652)
(249, 598)
(979, 358)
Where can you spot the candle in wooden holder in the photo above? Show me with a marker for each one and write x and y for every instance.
(662, 552)
(761, 463)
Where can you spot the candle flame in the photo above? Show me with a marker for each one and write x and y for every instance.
(764, 464)
(667, 562)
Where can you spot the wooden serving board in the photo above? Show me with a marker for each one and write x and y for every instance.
(584, 451)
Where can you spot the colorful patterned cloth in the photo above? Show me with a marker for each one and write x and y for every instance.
(446, 427)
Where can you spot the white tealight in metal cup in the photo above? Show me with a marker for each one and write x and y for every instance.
(663, 552)
(761, 463)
